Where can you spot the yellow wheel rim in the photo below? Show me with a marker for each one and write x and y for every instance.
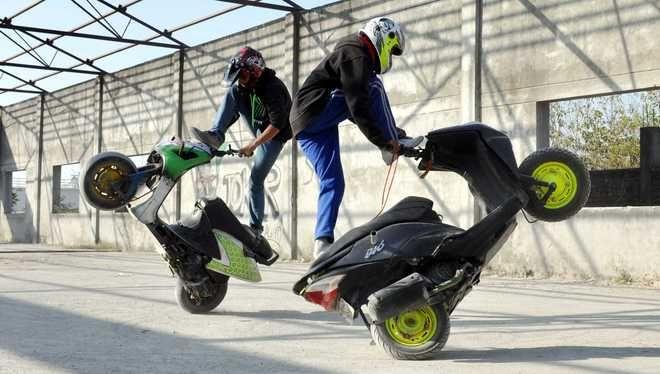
(413, 328)
(105, 178)
(564, 179)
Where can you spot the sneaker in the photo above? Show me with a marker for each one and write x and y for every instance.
(207, 137)
(257, 230)
(320, 246)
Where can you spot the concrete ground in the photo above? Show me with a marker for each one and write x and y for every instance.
(100, 312)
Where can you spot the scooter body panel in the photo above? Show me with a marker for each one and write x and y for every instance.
(232, 261)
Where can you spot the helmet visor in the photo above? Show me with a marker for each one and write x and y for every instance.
(398, 49)
(231, 74)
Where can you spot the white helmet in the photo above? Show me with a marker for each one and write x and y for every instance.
(388, 39)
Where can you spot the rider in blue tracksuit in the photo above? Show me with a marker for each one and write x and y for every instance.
(345, 85)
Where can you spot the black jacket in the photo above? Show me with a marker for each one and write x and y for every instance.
(348, 67)
(272, 107)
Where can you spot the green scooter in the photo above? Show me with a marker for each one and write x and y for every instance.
(203, 250)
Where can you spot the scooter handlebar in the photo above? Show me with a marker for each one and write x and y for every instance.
(409, 147)
(228, 152)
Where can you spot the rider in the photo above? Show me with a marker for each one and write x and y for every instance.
(264, 103)
(343, 86)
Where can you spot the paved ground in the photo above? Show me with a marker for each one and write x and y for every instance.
(92, 312)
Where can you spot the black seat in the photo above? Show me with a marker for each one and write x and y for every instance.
(215, 214)
(410, 209)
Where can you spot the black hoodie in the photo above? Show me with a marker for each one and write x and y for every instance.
(276, 102)
(348, 67)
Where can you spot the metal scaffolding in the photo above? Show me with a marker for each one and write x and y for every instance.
(24, 33)
(93, 9)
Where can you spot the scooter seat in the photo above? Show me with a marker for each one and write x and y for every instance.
(410, 209)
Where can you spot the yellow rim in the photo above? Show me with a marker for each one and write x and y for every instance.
(564, 179)
(105, 178)
(413, 328)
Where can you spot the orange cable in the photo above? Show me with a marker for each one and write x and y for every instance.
(388, 183)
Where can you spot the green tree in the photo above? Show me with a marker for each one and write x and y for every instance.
(604, 131)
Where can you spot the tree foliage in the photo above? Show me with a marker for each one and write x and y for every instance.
(604, 131)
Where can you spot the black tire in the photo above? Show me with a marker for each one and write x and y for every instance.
(97, 174)
(426, 349)
(218, 288)
(572, 190)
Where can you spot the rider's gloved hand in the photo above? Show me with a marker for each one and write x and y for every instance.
(391, 151)
(401, 133)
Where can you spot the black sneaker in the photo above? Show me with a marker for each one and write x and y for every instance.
(258, 230)
(207, 137)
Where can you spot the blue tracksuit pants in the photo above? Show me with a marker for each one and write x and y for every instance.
(320, 143)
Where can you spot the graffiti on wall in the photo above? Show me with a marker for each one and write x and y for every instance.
(231, 183)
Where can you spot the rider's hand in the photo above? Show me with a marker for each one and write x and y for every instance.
(247, 150)
(393, 146)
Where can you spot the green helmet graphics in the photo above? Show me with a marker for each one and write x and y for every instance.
(388, 39)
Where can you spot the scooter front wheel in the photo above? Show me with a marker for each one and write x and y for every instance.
(413, 335)
(566, 173)
(105, 181)
(197, 301)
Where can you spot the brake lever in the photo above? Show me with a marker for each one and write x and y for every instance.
(415, 153)
(229, 152)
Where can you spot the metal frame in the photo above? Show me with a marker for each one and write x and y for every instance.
(292, 8)
(7, 23)
(32, 50)
(25, 29)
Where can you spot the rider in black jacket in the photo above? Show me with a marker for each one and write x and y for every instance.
(264, 102)
(343, 86)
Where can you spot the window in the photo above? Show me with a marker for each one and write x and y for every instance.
(606, 133)
(604, 130)
(15, 199)
(66, 196)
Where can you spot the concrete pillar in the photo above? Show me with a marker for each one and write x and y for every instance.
(471, 15)
(292, 69)
(542, 125)
(40, 158)
(179, 126)
(649, 161)
(99, 149)
(471, 11)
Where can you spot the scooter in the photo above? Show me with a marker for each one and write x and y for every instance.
(204, 249)
(405, 271)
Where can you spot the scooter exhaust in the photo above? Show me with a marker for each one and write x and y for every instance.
(406, 294)
(411, 292)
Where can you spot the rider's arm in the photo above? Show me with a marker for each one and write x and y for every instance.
(278, 104)
(354, 77)
(269, 133)
(227, 112)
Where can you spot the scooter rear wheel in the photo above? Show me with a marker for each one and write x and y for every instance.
(413, 335)
(197, 305)
(569, 175)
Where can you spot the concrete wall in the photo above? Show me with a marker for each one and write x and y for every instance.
(18, 150)
(532, 52)
(537, 51)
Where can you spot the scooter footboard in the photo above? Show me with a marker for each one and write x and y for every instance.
(233, 262)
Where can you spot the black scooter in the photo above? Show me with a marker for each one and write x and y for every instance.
(405, 271)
